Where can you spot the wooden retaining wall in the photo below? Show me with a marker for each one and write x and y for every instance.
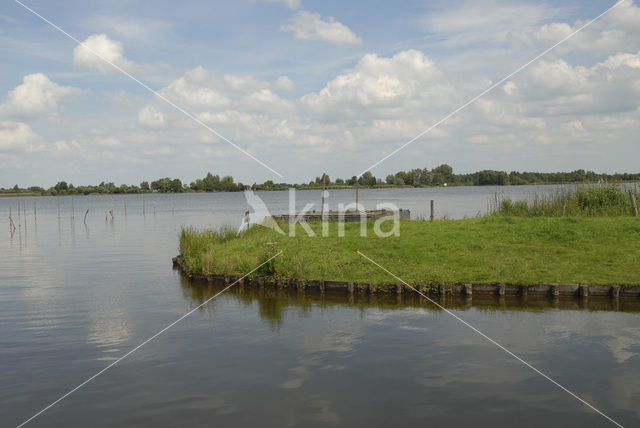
(464, 289)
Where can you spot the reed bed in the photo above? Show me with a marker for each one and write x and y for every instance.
(578, 201)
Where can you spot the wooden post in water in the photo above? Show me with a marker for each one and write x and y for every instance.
(634, 203)
(12, 225)
(323, 187)
(357, 197)
(431, 211)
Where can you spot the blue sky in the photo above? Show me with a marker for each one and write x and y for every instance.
(313, 86)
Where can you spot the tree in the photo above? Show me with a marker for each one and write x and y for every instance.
(144, 185)
(445, 171)
(367, 179)
(61, 186)
(175, 186)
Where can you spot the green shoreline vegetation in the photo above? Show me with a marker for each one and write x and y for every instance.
(599, 243)
(438, 176)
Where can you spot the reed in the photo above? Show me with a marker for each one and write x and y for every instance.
(580, 201)
(196, 246)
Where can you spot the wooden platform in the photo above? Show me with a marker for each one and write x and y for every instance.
(347, 217)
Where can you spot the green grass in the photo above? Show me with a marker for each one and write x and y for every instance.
(602, 250)
(581, 201)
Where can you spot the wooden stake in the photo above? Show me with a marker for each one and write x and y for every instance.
(85, 217)
(432, 210)
(357, 197)
(634, 203)
(323, 187)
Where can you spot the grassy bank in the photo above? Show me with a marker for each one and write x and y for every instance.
(599, 250)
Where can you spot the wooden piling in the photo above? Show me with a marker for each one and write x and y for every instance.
(634, 203)
(357, 197)
(431, 211)
(583, 291)
(468, 289)
(323, 188)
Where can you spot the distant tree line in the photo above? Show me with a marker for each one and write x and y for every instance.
(439, 176)
(443, 175)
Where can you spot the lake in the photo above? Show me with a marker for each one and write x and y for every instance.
(75, 297)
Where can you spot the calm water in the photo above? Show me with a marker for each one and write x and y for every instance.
(74, 298)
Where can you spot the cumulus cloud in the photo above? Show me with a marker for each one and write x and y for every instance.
(554, 87)
(378, 85)
(617, 31)
(109, 51)
(18, 136)
(383, 101)
(285, 84)
(36, 95)
(196, 88)
(307, 25)
(150, 117)
(244, 83)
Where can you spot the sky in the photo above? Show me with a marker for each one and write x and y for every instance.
(306, 87)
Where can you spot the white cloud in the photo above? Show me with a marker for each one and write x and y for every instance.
(150, 117)
(307, 25)
(196, 89)
(284, 83)
(267, 102)
(109, 51)
(378, 85)
(616, 31)
(64, 146)
(18, 136)
(36, 95)
(291, 4)
(244, 83)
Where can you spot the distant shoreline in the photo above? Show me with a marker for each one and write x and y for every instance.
(297, 187)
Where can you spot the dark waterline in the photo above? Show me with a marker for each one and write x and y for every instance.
(74, 298)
